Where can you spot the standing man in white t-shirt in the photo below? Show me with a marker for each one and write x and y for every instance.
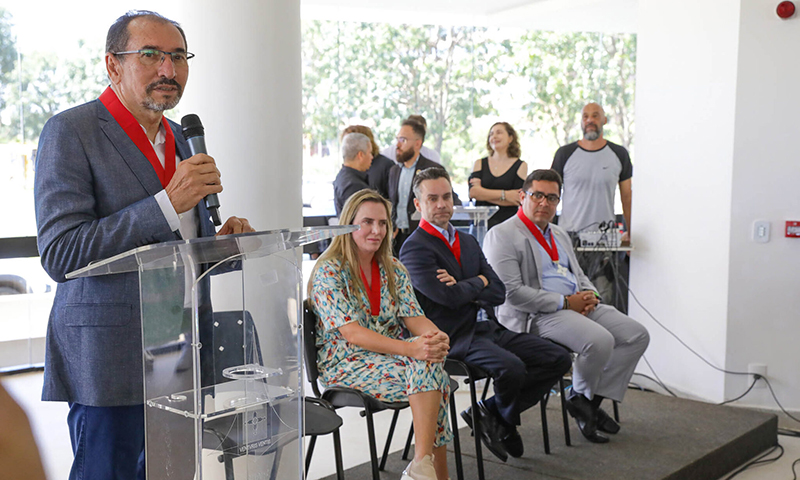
(592, 168)
(429, 153)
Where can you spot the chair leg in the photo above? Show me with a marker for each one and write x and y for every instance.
(389, 439)
(616, 411)
(486, 388)
(408, 442)
(275, 464)
(476, 427)
(545, 433)
(456, 439)
(564, 411)
(373, 449)
(228, 462)
(337, 450)
(310, 451)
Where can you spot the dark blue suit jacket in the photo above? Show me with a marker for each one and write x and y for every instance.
(94, 197)
(453, 309)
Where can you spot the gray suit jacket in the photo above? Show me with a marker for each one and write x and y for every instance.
(94, 197)
(513, 253)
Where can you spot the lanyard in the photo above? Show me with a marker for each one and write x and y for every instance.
(374, 290)
(455, 248)
(551, 249)
(135, 132)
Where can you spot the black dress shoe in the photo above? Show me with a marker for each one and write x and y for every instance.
(513, 442)
(585, 415)
(492, 432)
(605, 423)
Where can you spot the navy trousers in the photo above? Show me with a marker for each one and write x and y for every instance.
(523, 367)
(108, 442)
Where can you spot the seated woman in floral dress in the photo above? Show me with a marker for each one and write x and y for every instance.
(363, 298)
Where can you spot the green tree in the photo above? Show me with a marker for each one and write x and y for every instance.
(8, 55)
(566, 71)
(380, 73)
(50, 84)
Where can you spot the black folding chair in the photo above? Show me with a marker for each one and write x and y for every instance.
(348, 397)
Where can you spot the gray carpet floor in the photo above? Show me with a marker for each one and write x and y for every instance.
(661, 438)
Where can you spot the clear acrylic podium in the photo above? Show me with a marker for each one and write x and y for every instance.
(222, 343)
(470, 219)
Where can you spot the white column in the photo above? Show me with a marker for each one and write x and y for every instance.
(245, 84)
(716, 123)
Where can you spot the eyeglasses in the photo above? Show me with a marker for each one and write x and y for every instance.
(151, 56)
(552, 198)
(401, 139)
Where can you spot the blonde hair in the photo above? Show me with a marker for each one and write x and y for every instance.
(344, 249)
(364, 131)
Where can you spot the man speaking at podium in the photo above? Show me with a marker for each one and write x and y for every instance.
(113, 175)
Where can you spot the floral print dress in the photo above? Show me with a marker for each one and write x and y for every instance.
(389, 378)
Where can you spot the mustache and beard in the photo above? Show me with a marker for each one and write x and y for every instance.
(404, 156)
(151, 104)
(592, 135)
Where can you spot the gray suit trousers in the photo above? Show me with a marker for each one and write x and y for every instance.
(608, 343)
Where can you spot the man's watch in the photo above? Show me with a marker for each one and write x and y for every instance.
(566, 303)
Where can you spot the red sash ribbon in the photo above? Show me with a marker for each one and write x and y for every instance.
(136, 133)
(374, 290)
(455, 248)
(551, 249)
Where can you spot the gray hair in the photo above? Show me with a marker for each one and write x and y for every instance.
(352, 143)
(118, 34)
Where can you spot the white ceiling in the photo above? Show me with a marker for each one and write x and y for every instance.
(556, 15)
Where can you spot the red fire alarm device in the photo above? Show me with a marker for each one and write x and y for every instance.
(785, 10)
(792, 229)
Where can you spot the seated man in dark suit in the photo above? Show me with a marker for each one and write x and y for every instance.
(454, 282)
(357, 156)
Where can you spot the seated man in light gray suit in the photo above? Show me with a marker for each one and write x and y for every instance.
(112, 175)
(548, 294)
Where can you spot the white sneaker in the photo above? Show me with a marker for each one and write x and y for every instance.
(422, 470)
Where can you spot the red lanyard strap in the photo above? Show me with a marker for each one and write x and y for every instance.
(135, 132)
(374, 290)
(455, 248)
(551, 249)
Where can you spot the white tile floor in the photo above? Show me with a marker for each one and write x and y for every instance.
(49, 424)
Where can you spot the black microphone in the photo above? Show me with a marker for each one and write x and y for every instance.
(194, 133)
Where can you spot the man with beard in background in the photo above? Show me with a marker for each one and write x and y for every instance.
(591, 169)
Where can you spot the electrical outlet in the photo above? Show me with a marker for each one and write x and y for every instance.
(757, 369)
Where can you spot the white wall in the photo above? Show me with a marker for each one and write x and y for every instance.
(245, 84)
(715, 108)
(764, 288)
(685, 106)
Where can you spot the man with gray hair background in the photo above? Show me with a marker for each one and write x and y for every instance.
(357, 158)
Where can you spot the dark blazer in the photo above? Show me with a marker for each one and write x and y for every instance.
(94, 198)
(394, 195)
(453, 309)
(378, 174)
(348, 181)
